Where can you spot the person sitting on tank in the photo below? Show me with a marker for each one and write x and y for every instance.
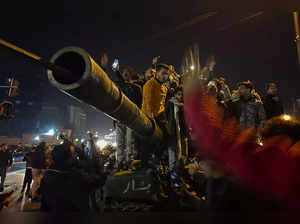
(153, 105)
(125, 136)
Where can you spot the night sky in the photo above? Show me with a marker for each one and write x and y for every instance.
(250, 39)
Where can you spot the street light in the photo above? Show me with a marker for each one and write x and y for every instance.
(50, 132)
(101, 143)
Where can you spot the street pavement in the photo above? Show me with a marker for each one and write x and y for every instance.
(17, 167)
(13, 185)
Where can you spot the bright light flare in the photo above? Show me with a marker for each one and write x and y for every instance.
(50, 132)
(192, 67)
(37, 138)
(286, 117)
(101, 143)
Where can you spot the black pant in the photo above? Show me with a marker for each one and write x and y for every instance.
(215, 191)
(27, 179)
(162, 122)
(3, 176)
(148, 149)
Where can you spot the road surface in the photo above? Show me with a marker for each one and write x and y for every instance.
(12, 195)
(17, 167)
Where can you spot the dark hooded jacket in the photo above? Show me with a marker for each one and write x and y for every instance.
(170, 113)
(131, 90)
(5, 158)
(38, 158)
(272, 107)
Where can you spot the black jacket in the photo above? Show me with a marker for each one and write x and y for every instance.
(27, 159)
(132, 91)
(272, 107)
(38, 159)
(169, 111)
(5, 159)
(62, 158)
(249, 113)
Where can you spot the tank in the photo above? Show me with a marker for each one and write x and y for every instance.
(89, 83)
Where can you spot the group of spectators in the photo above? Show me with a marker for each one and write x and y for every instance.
(37, 160)
(159, 94)
(163, 101)
(250, 148)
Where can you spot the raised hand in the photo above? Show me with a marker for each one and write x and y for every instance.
(104, 60)
(155, 60)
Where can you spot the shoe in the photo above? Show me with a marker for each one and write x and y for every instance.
(163, 195)
(1, 189)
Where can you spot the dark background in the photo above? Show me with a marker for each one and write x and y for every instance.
(250, 39)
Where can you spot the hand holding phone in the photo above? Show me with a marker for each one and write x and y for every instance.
(115, 64)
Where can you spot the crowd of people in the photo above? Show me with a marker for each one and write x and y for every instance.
(250, 148)
(202, 122)
(160, 95)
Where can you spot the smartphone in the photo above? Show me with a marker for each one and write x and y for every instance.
(115, 64)
(176, 185)
(174, 175)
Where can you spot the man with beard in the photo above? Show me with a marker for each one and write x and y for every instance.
(154, 98)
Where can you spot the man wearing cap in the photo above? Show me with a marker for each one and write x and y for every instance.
(5, 162)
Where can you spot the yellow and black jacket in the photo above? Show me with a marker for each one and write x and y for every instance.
(154, 97)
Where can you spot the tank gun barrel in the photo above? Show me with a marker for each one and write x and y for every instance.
(73, 71)
(90, 84)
